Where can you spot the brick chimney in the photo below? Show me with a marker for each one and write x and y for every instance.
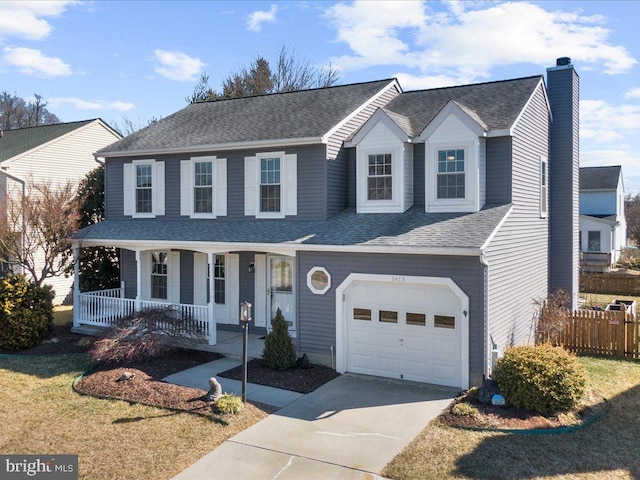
(564, 167)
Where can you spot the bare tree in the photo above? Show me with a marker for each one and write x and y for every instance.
(16, 113)
(632, 214)
(129, 127)
(35, 229)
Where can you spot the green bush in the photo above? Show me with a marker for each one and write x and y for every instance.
(465, 410)
(543, 378)
(229, 404)
(279, 352)
(26, 313)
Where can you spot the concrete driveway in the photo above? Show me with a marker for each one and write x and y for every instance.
(349, 428)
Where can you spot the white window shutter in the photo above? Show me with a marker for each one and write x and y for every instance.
(250, 185)
(128, 182)
(158, 188)
(220, 188)
(260, 310)
(291, 184)
(186, 188)
(145, 275)
(232, 285)
(200, 278)
(173, 268)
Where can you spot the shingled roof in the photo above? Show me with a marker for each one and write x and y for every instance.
(496, 104)
(600, 178)
(414, 228)
(302, 114)
(21, 140)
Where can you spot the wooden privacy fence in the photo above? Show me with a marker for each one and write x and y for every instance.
(614, 333)
(610, 283)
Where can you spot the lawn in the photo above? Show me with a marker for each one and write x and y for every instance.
(603, 299)
(41, 414)
(62, 315)
(606, 449)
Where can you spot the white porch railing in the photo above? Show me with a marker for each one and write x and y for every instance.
(103, 308)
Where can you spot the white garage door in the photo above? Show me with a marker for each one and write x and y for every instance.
(405, 331)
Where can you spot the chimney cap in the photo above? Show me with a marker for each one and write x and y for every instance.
(562, 61)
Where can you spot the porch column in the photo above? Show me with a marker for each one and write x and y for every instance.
(212, 319)
(76, 286)
(138, 280)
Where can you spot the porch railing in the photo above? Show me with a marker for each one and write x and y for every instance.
(103, 308)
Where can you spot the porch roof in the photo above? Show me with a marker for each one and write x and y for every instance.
(414, 228)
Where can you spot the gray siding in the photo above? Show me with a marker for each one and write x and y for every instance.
(517, 255)
(351, 176)
(337, 183)
(247, 280)
(419, 161)
(564, 97)
(128, 272)
(186, 276)
(499, 170)
(113, 194)
(316, 313)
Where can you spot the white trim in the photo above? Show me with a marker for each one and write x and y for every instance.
(157, 188)
(218, 187)
(288, 185)
(254, 144)
(543, 161)
(310, 284)
(260, 290)
(379, 116)
(341, 314)
(528, 102)
(496, 230)
(452, 108)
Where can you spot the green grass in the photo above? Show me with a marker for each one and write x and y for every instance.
(41, 414)
(62, 315)
(603, 299)
(606, 449)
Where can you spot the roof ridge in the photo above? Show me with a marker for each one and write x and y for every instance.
(475, 84)
(53, 124)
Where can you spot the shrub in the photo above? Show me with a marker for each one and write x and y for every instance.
(465, 410)
(26, 313)
(146, 334)
(279, 352)
(229, 404)
(553, 316)
(542, 378)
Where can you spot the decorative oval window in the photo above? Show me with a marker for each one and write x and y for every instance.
(318, 280)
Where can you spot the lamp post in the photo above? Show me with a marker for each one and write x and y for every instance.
(245, 318)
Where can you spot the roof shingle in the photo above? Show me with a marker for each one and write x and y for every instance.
(600, 178)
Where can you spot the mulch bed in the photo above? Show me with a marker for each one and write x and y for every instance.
(512, 418)
(301, 380)
(61, 341)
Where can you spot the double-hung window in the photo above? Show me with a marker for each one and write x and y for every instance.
(593, 240)
(144, 188)
(543, 187)
(451, 174)
(379, 177)
(270, 187)
(159, 275)
(203, 187)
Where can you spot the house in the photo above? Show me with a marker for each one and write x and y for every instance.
(402, 234)
(603, 226)
(51, 153)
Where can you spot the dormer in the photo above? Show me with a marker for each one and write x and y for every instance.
(455, 160)
(384, 165)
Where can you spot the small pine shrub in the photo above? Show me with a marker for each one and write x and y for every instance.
(543, 378)
(26, 313)
(465, 410)
(279, 352)
(229, 404)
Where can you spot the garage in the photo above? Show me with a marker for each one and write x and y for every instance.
(410, 328)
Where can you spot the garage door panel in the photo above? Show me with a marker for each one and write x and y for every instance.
(408, 345)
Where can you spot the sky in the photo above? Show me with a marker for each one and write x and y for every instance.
(140, 59)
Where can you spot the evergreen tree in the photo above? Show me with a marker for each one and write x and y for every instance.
(279, 352)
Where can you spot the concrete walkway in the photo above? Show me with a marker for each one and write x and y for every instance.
(349, 428)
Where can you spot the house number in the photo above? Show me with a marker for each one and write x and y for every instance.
(397, 279)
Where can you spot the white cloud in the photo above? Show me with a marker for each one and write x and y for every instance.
(469, 39)
(602, 122)
(33, 62)
(90, 105)
(633, 93)
(257, 18)
(24, 19)
(178, 66)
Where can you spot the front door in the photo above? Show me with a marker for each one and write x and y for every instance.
(281, 290)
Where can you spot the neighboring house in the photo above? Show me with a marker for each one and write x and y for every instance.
(51, 153)
(402, 234)
(603, 226)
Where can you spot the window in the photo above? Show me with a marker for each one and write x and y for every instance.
(543, 188)
(159, 275)
(416, 319)
(362, 314)
(144, 188)
(203, 187)
(593, 240)
(444, 321)
(270, 184)
(219, 280)
(388, 316)
(451, 174)
(318, 280)
(379, 177)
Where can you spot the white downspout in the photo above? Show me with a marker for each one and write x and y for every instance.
(488, 348)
